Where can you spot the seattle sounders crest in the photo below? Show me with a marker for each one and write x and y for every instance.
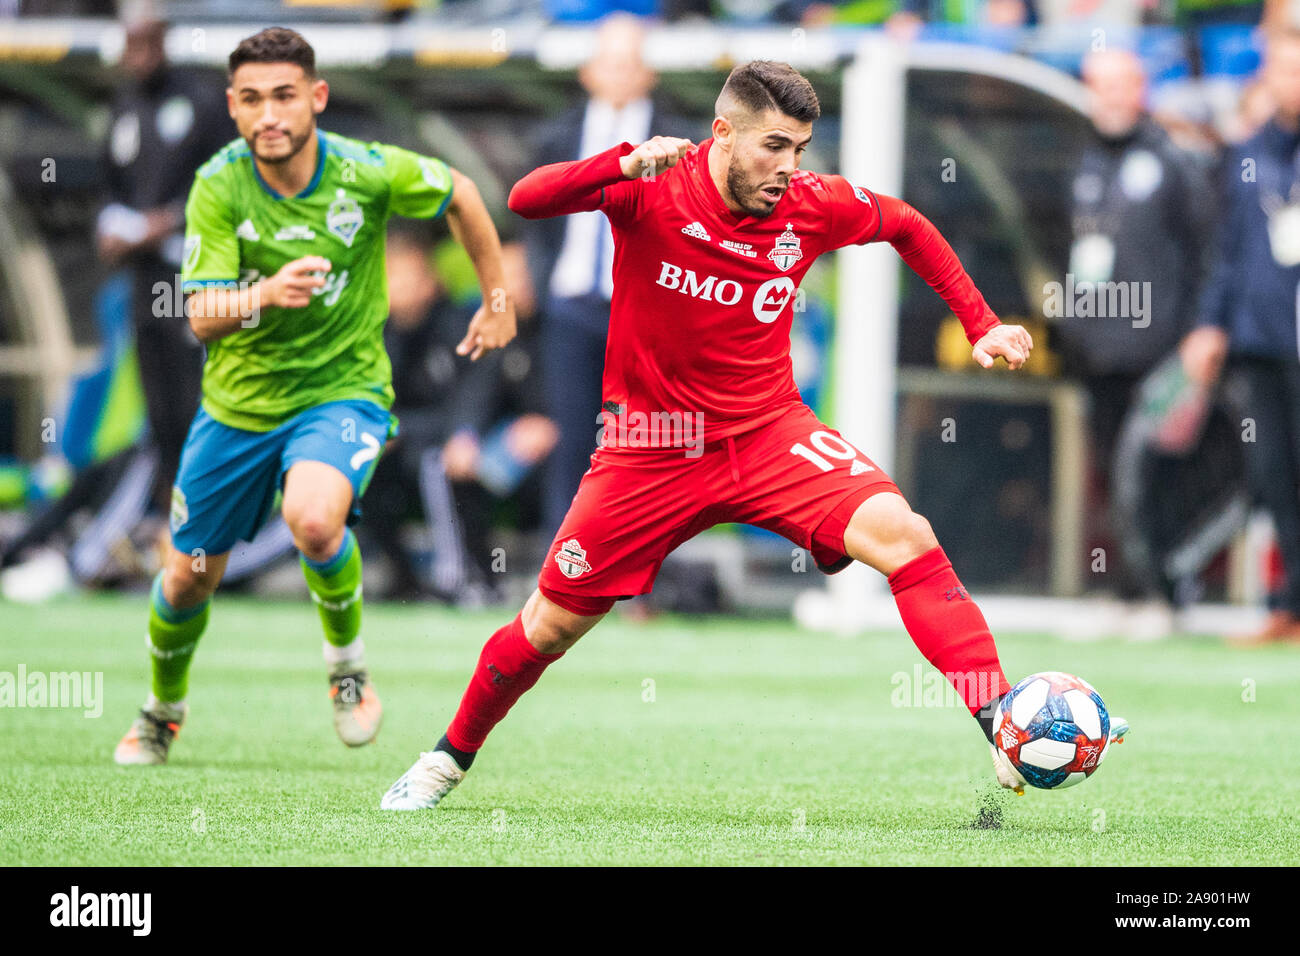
(344, 218)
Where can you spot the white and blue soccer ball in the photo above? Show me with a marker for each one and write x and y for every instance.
(1054, 729)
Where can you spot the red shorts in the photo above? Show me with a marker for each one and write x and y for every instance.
(794, 476)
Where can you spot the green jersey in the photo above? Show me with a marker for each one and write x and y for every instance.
(237, 229)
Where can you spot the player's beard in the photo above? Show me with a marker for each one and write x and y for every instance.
(746, 192)
(296, 143)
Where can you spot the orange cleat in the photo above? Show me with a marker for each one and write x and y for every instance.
(149, 740)
(357, 709)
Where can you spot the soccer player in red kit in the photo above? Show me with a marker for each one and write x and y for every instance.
(702, 420)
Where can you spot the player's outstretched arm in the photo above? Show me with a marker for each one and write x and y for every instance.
(928, 254)
(563, 188)
(493, 325)
(217, 312)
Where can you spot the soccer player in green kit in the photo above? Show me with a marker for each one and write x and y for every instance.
(284, 274)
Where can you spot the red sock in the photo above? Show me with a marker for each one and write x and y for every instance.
(948, 627)
(508, 666)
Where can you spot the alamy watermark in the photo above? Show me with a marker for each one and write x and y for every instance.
(621, 429)
(935, 689)
(133, 911)
(1098, 300)
(171, 301)
(74, 689)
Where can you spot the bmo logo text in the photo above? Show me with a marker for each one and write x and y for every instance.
(712, 289)
(769, 300)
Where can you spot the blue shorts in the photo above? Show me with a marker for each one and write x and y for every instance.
(228, 477)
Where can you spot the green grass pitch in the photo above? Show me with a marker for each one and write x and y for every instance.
(677, 741)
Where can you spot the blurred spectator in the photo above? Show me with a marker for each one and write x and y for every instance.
(1249, 314)
(1255, 107)
(469, 434)
(164, 125)
(572, 256)
(1137, 203)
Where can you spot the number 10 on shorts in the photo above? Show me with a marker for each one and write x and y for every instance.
(830, 446)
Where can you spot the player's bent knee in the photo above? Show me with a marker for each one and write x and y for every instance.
(920, 535)
(551, 628)
(188, 580)
(316, 534)
(886, 533)
(913, 538)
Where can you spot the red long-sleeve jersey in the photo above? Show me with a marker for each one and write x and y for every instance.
(703, 297)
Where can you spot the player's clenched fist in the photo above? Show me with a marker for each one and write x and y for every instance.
(654, 156)
(1011, 342)
(292, 286)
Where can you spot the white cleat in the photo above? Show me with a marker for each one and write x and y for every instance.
(1118, 729)
(430, 779)
(1008, 776)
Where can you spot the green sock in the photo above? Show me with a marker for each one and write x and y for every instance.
(335, 586)
(173, 636)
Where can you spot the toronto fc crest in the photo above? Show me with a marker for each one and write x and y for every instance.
(786, 252)
(572, 559)
(344, 218)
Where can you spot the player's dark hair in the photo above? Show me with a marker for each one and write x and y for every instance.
(762, 85)
(275, 45)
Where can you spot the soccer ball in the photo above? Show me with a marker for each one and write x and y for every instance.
(1054, 729)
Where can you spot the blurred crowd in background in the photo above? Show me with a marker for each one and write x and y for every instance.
(1188, 183)
(903, 16)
